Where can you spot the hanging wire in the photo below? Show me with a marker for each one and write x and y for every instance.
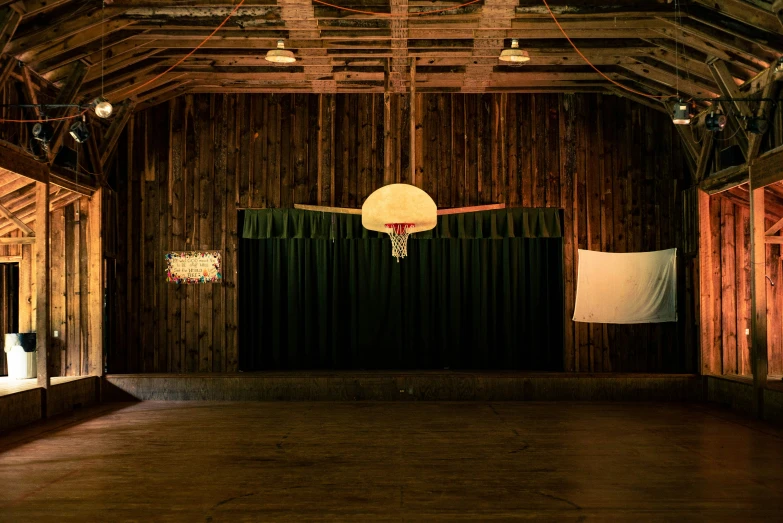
(43, 120)
(730, 137)
(103, 31)
(677, 25)
(618, 84)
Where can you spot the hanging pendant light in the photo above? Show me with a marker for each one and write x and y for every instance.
(102, 107)
(280, 55)
(515, 54)
(681, 113)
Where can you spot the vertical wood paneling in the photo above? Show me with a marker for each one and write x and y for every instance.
(58, 320)
(208, 155)
(728, 289)
(72, 286)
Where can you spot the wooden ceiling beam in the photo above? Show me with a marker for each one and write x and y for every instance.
(122, 63)
(68, 24)
(709, 48)
(84, 53)
(75, 41)
(136, 95)
(58, 199)
(7, 65)
(14, 218)
(745, 12)
(13, 158)
(9, 22)
(67, 95)
(691, 85)
(165, 96)
(760, 39)
(764, 110)
(750, 51)
(301, 23)
(33, 7)
(477, 74)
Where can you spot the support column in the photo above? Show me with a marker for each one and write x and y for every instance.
(95, 285)
(758, 296)
(710, 358)
(43, 267)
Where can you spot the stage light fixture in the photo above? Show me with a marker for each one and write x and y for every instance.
(757, 125)
(43, 132)
(102, 107)
(280, 55)
(715, 122)
(79, 131)
(515, 54)
(681, 113)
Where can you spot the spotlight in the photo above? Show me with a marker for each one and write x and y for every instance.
(681, 113)
(43, 132)
(102, 107)
(280, 55)
(515, 54)
(757, 125)
(779, 66)
(715, 122)
(79, 131)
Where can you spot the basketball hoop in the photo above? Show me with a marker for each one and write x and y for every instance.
(398, 232)
(399, 209)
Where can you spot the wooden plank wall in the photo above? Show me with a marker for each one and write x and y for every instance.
(730, 220)
(185, 167)
(69, 349)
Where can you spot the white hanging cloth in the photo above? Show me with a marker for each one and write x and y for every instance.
(639, 287)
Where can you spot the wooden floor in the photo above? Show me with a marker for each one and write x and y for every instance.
(393, 461)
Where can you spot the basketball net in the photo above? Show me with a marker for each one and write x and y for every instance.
(399, 238)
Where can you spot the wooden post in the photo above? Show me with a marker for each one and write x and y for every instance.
(26, 290)
(388, 165)
(413, 122)
(42, 291)
(710, 351)
(758, 296)
(95, 284)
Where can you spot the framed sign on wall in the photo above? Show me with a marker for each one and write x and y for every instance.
(193, 267)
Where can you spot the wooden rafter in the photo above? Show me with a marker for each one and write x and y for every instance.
(14, 218)
(67, 95)
(115, 130)
(777, 8)
(632, 42)
(9, 21)
(745, 12)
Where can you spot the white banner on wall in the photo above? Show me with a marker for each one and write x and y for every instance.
(639, 287)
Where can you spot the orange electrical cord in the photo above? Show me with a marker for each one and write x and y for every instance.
(618, 84)
(71, 117)
(218, 28)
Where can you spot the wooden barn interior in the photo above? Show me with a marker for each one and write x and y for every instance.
(311, 376)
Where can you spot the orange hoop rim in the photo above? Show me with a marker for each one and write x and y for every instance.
(400, 228)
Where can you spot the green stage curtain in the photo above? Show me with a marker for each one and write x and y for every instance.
(480, 292)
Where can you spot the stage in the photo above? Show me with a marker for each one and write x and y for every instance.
(23, 402)
(404, 386)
